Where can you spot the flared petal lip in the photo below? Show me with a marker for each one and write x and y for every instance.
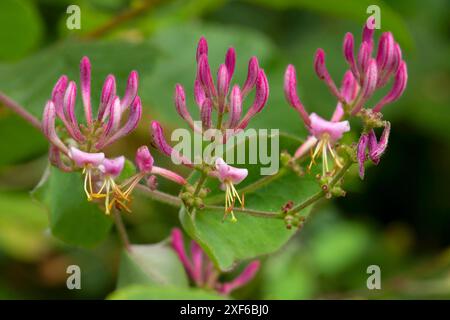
(320, 126)
(82, 158)
(226, 172)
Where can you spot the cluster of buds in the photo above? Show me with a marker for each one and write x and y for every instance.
(219, 97)
(202, 271)
(365, 75)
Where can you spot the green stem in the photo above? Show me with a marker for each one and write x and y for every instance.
(121, 230)
(320, 194)
(160, 196)
(251, 212)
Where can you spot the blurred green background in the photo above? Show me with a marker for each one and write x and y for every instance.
(397, 218)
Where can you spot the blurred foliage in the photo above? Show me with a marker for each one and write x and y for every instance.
(398, 218)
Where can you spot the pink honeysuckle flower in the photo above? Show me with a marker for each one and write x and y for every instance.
(229, 176)
(88, 162)
(106, 128)
(201, 270)
(374, 73)
(111, 168)
(210, 96)
(324, 134)
(369, 147)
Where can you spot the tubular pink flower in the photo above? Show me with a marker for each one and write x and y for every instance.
(70, 119)
(108, 93)
(376, 149)
(349, 53)
(85, 78)
(48, 127)
(261, 96)
(197, 262)
(230, 62)
(369, 85)
(83, 159)
(361, 153)
(58, 95)
(368, 31)
(334, 130)
(349, 87)
(168, 174)
(204, 75)
(227, 173)
(290, 92)
(112, 167)
(144, 159)
(223, 86)
(202, 48)
(115, 114)
(246, 276)
(363, 60)
(131, 90)
(235, 107)
(252, 75)
(178, 245)
(180, 104)
(399, 86)
(322, 73)
(205, 113)
(199, 93)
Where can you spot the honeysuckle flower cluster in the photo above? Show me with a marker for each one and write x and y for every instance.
(201, 270)
(209, 97)
(366, 74)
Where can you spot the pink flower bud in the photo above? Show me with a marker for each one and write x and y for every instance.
(197, 261)
(204, 75)
(369, 85)
(399, 86)
(363, 60)
(223, 86)
(115, 114)
(322, 72)
(368, 31)
(69, 111)
(144, 159)
(178, 245)
(252, 75)
(199, 93)
(202, 48)
(58, 95)
(112, 167)
(230, 62)
(377, 149)
(235, 107)
(349, 53)
(290, 92)
(246, 276)
(349, 87)
(180, 103)
(205, 113)
(361, 153)
(131, 90)
(108, 93)
(152, 183)
(48, 126)
(85, 77)
(170, 175)
(83, 159)
(159, 140)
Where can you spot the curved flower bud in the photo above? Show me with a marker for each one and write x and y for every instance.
(205, 113)
(349, 87)
(322, 73)
(115, 114)
(361, 153)
(83, 159)
(178, 245)
(199, 93)
(399, 86)
(349, 53)
(376, 150)
(202, 48)
(261, 96)
(204, 75)
(334, 130)
(112, 167)
(235, 107)
(197, 262)
(131, 90)
(290, 92)
(70, 119)
(252, 75)
(223, 86)
(48, 126)
(246, 276)
(369, 85)
(159, 140)
(368, 31)
(230, 62)
(85, 78)
(180, 103)
(108, 93)
(58, 95)
(144, 159)
(170, 175)
(363, 60)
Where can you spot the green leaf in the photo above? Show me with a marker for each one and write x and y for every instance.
(155, 264)
(73, 219)
(138, 292)
(250, 236)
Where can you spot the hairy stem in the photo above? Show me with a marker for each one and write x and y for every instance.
(121, 229)
(18, 109)
(160, 196)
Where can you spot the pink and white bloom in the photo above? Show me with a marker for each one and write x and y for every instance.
(110, 169)
(229, 176)
(324, 134)
(201, 270)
